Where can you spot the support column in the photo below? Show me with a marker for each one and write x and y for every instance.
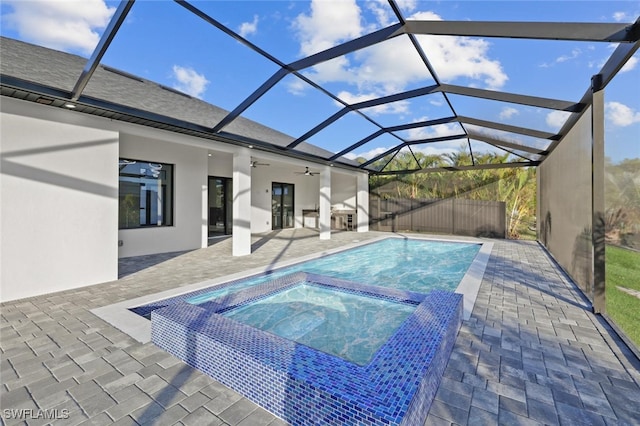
(362, 200)
(241, 207)
(204, 229)
(325, 203)
(597, 197)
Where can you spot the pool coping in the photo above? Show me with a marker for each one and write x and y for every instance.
(304, 385)
(121, 317)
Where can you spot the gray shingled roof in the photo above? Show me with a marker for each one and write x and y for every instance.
(61, 70)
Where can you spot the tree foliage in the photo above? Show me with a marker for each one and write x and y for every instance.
(622, 202)
(515, 186)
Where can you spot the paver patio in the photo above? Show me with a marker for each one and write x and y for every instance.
(532, 352)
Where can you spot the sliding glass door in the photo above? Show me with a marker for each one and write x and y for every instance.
(282, 205)
(219, 206)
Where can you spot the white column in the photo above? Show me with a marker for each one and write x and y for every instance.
(241, 239)
(362, 199)
(325, 203)
(204, 229)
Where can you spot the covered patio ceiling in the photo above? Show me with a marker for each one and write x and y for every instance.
(457, 114)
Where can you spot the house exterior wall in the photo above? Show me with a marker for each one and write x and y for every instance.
(564, 216)
(59, 197)
(221, 164)
(190, 197)
(343, 191)
(261, 178)
(306, 194)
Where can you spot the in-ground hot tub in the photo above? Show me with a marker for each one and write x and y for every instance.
(393, 385)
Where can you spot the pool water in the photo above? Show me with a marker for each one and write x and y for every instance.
(307, 386)
(406, 264)
(351, 326)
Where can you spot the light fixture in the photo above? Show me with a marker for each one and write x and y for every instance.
(44, 101)
(251, 146)
(210, 154)
(69, 105)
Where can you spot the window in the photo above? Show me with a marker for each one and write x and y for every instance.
(145, 194)
(282, 213)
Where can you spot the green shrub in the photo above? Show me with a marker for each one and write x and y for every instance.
(623, 270)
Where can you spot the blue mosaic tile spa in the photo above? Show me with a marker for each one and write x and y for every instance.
(394, 384)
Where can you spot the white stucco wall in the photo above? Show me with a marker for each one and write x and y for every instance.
(343, 191)
(220, 164)
(190, 197)
(59, 197)
(306, 194)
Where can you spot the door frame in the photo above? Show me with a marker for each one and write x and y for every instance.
(226, 198)
(293, 203)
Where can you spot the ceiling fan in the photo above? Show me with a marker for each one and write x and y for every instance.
(255, 164)
(307, 172)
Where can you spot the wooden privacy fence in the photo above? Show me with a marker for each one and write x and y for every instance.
(450, 216)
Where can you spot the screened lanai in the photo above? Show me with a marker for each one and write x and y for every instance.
(375, 97)
(388, 78)
(357, 85)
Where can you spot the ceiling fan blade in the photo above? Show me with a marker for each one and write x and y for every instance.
(307, 172)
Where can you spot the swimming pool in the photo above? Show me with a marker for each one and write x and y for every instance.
(306, 386)
(351, 326)
(409, 264)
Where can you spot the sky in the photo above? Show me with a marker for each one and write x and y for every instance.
(163, 42)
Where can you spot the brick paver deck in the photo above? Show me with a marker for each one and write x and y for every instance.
(532, 352)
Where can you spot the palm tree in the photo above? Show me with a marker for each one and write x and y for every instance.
(516, 187)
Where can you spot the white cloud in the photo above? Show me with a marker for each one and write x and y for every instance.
(440, 149)
(248, 28)
(381, 10)
(329, 24)
(407, 5)
(368, 155)
(398, 107)
(334, 70)
(189, 81)
(556, 119)
(418, 134)
(296, 87)
(620, 114)
(69, 25)
(630, 65)
(427, 149)
(384, 13)
(377, 71)
(456, 57)
(436, 131)
(508, 112)
(575, 53)
(393, 65)
(622, 17)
